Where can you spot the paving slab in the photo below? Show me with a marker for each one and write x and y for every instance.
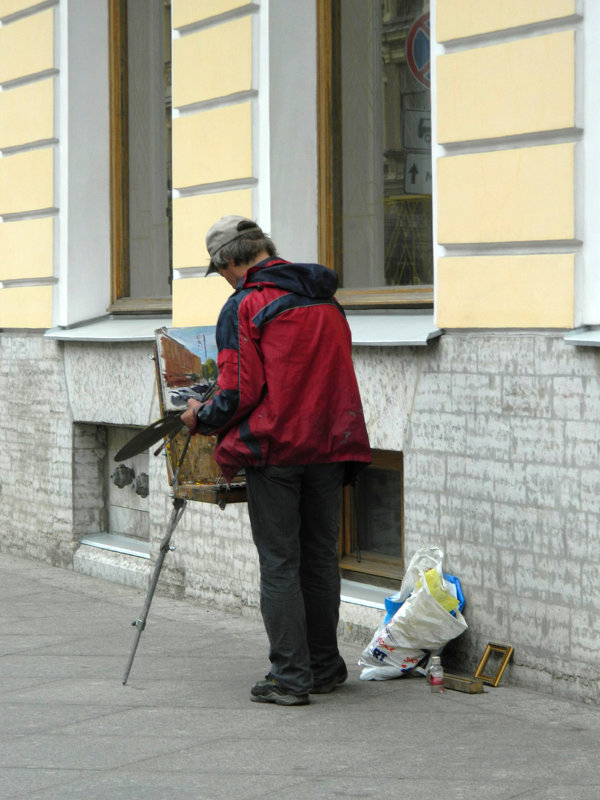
(183, 727)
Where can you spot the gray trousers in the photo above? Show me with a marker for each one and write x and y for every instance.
(295, 515)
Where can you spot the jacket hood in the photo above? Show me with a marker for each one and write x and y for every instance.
(308, 280)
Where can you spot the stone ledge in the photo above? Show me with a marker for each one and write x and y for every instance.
(126, 570)
(111, 566)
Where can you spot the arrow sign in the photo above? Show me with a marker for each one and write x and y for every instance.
(417, 173)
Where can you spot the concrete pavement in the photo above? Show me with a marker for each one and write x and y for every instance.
(184, 728)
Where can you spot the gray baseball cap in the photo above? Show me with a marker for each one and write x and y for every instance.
(225, 231)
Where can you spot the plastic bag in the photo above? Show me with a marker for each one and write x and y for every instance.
(452, 589)
(425, 558)
(420, 626)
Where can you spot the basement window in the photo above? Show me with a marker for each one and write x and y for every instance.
(371, 543)
(111, 501)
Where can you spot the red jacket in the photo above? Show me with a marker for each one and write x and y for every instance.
(287, 389)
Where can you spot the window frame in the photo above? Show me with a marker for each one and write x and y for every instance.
(329, 160)
(120, 300)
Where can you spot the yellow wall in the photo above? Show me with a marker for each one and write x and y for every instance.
(488, 92)
(198, 301)
(232, 50)
(517, 195)
(26, 247)
(26, 176)
(26, 181)
(212, 145)
(508, 193)
(26, 307)
(27, 46)
(193, 216)
(525, 291)
(27, 113)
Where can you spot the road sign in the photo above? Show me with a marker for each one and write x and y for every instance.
(417, 130)
(417, 173)
(418, 50)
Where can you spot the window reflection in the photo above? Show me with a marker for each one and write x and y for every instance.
(386, 143)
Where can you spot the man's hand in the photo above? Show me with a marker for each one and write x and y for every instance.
(189, 416)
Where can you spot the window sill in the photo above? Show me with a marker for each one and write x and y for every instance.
(118, 544)
(392, 328)
(368, 328)
(584, 337)
(112, 329)
(361, 594)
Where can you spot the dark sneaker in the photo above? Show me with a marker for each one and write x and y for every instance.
(329, 685)
(267, 691)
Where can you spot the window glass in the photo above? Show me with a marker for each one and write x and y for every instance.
(372, 545)
(149, 114)
(141, 147)
(385, 100)
(379, 513)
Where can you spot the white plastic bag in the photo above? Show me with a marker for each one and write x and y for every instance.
(425, 558)
(420, 626)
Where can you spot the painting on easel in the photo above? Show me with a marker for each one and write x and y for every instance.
(186, 365)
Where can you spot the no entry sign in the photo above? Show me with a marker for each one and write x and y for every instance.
(418, 51)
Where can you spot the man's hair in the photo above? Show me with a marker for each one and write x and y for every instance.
(245, 248)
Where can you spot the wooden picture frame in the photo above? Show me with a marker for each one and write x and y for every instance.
(505, 651)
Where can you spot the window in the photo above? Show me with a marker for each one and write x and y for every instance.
(140, 80)
(111, 512)
(372, 542)
(375, 149)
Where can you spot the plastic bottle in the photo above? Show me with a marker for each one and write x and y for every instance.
(436, 675)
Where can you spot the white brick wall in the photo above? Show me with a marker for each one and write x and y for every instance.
(35, 450)
(502, 470)
(519, 512)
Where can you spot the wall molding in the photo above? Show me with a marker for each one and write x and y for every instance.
(511, 34)
(215, 102)
(27, 12)
(218, 19)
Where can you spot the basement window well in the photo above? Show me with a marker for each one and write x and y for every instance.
(111, 500)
